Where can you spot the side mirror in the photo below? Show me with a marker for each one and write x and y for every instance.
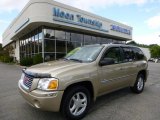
(106, 61)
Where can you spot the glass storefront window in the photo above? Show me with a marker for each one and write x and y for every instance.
(56, 42)
(49, 45)
(40, 35)
(104, 41)
(27, 46)
(49, 33)
(61, 46)
(94, 40)
(60, 55)
(36, 43)
(68, 36)
(60, 35)
(30, 45)
(72, 45)
(33, 44)
(76, 37)
(87, 40)
(98, 40)
(109, 40)
(49, 56)
(40, 45)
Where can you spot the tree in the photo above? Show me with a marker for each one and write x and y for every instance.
(1, 47)
(155, 51)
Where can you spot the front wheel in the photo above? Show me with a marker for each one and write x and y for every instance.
(76, 103)
(139, 84)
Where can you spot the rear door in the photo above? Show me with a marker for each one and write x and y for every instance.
(130, 65)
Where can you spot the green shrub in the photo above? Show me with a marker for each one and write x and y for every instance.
(1, 57)
(31, 61)
(6, 59)
(26, 61)
(37, 59)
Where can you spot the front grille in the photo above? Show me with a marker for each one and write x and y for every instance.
(27, 81)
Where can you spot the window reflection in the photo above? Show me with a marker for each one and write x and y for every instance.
(94, 40)
(31, 43)
(72, 45)
(87, 40)
(68, 36)
(49, 45)
(36, 43)
(61, 46)
(104, 41)
(59, 34)
(49, 33)
(76, 37)
(60, 55)
(49, 56)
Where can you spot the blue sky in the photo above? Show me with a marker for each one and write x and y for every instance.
(142, 15)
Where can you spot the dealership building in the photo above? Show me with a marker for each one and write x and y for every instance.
(52, 29)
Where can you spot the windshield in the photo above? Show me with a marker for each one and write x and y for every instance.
(84, 54)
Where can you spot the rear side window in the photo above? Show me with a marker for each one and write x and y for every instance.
(129, 55)
(138, 53)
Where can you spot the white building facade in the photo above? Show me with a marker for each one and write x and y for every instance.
(52, 29)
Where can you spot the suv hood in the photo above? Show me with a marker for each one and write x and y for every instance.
(55, 67)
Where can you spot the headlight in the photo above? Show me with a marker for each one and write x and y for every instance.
(48, 84)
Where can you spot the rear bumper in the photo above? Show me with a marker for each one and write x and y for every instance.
(49, 101)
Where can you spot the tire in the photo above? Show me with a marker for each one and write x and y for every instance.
(76, 103)
(139, 84)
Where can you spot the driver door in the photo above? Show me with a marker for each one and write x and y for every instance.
(113, 73)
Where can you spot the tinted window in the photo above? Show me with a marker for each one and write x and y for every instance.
(139, 54)
(129, 55)
(113, 53)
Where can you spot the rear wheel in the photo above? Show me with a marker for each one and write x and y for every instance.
(76, 103)
(139, 84)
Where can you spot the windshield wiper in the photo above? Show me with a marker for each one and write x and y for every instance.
(76, 60)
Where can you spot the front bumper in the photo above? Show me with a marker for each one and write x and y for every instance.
(147, 74)
(49, 101)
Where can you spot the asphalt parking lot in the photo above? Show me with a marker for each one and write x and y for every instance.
(119, 105)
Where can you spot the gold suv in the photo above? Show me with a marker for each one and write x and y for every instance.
(71, 84)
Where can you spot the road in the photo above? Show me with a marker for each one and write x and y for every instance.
(119, 105)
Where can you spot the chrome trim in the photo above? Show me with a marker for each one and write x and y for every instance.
(22, 85)
(111, 80)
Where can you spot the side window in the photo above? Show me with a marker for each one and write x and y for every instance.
(113, 53)
(129, 55)
(139, 54)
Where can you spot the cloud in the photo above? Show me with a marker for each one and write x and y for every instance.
(4, 22)
(90, 4)
(154, 22)
(10, 5)
(1, 39)
(153, 38)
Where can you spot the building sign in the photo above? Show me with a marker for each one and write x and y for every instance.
(120, 29)
(58, 13)
(77, 19)
(84, 20)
